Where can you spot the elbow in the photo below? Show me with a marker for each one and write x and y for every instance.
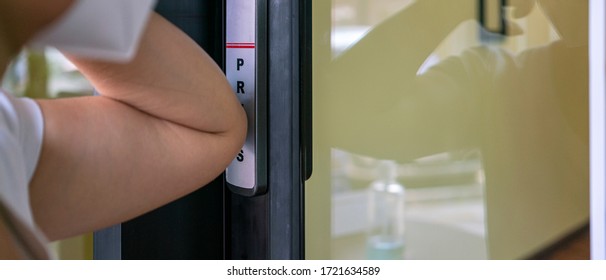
(233, 139)
(240, 129)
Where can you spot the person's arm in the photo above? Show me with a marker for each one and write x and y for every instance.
(389, 112)
(414, 114)
(10, 249)
(166, 124)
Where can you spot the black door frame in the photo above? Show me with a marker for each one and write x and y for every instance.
(271, 226)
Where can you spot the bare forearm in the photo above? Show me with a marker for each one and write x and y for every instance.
(167, 123)
(170, 78)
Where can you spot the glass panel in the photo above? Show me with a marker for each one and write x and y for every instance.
(447, 129)
(48, 74)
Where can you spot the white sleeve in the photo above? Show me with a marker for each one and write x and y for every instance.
(21, 130)
(28, 125)
(30, 132)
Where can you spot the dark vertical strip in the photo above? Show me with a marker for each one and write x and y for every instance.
(502, 28)
(107, 243)
(305, 86)
(284, 154)
(306, 114)
(248, 225)
(270, 226)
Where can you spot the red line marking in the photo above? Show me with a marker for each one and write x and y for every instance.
(240, 45)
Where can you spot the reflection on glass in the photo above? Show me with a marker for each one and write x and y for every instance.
(386, 214)
(489, 132)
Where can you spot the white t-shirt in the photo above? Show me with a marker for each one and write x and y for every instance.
(21, 131)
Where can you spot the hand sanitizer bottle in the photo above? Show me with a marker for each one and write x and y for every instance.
(386, 215)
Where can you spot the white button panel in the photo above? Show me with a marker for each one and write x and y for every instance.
(241, 71)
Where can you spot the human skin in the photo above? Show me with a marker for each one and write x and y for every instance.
(167, 123)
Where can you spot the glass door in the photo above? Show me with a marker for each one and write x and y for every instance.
(447, 129)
